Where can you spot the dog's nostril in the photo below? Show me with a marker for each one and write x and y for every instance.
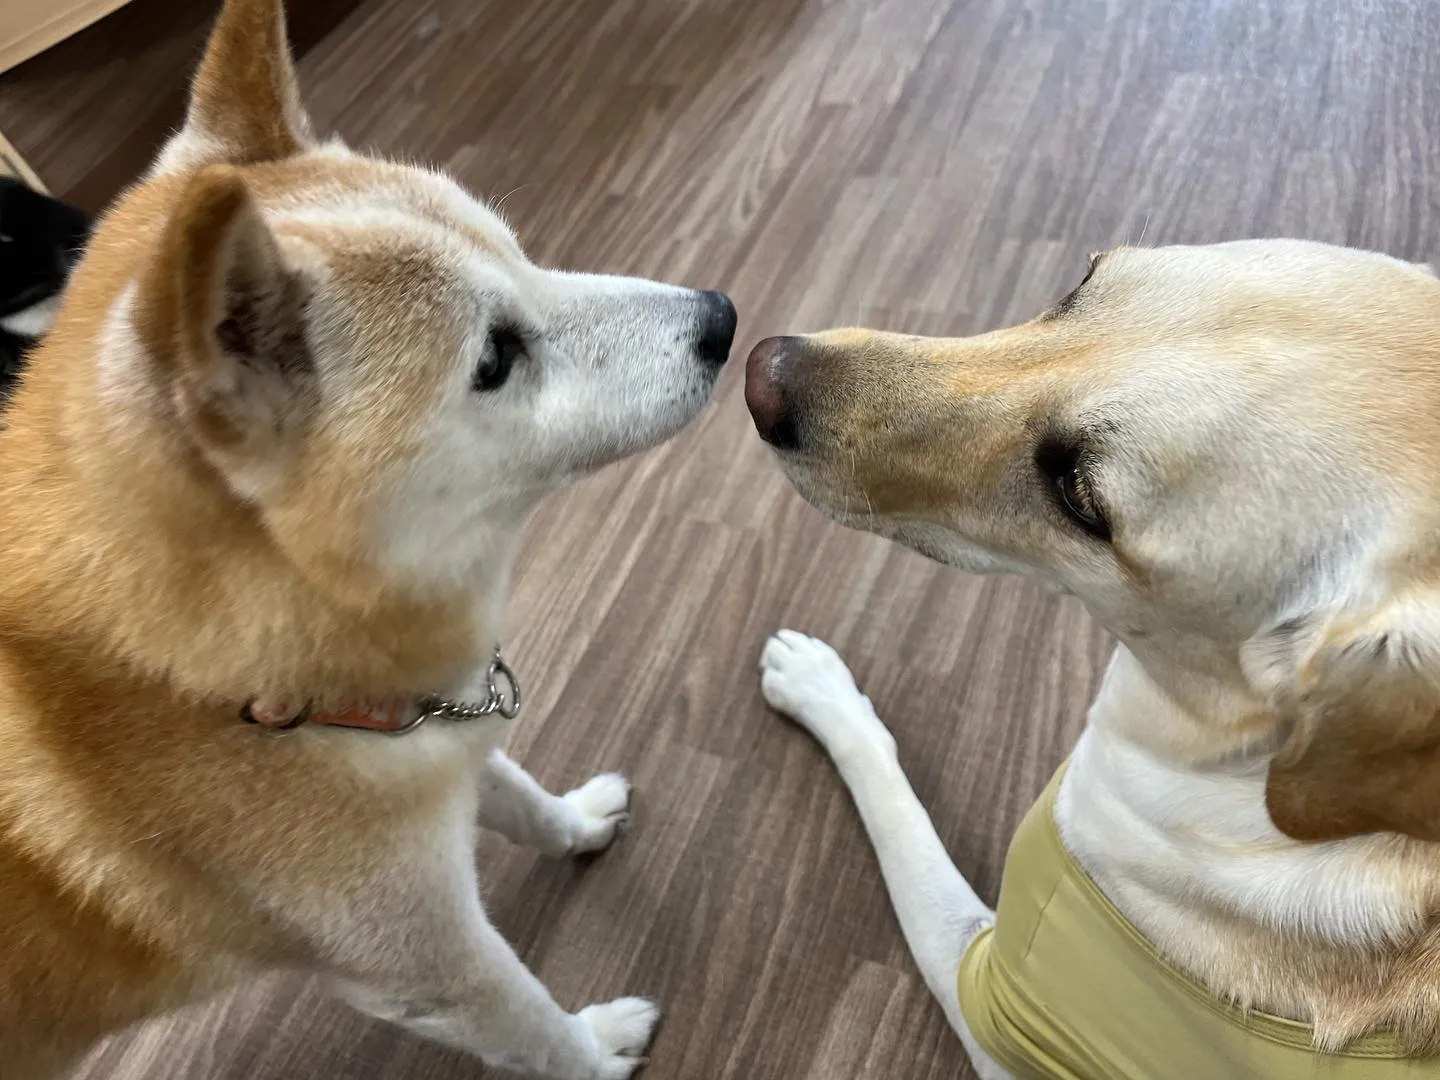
(717, 327)
(767, 391)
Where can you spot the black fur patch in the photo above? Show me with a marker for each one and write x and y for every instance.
(41, 239)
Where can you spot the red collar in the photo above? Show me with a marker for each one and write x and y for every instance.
(396, 716)
(392, 717)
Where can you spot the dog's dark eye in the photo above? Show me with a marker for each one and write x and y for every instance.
(503, 348)
(1064, 469)
(1074, 490)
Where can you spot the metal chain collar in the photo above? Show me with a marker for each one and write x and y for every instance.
(502, 697)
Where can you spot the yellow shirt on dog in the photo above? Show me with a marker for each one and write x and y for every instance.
(1065, 988)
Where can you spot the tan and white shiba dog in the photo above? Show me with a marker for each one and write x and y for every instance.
(1229, 454)
(279, 447)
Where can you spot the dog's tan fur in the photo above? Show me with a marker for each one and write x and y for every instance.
(1259, 424)
(214, 473)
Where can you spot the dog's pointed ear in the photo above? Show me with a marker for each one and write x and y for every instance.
(223, 316)
(1358, 703)
(244, 101)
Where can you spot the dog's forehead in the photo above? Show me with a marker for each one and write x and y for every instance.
(1254, 310)
(407, 252)
(1250, 272)
(337, 186)
(1299, 365)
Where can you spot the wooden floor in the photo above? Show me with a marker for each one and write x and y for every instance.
(935, 165)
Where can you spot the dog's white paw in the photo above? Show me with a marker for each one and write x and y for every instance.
(805, 679)
(602, 808)
(622, 1029)
(801, 675)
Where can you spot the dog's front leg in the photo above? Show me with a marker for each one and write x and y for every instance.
(412, 944)
(516, 806)
(938, 910)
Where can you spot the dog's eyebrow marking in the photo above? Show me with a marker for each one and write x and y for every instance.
(1066, 303)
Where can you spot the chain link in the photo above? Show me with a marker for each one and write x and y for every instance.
(502, 696)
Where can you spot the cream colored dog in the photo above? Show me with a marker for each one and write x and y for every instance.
(1229, 454)
(279, 448)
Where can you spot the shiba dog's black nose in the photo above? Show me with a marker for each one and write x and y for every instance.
(717, 327)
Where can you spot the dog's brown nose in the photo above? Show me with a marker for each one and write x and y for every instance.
(768, 390)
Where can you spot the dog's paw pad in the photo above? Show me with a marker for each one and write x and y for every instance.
(622, 1029)
(603, 808)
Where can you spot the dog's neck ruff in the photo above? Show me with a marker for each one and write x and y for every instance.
(397, 716)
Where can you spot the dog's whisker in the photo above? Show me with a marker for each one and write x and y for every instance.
(497, 205)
